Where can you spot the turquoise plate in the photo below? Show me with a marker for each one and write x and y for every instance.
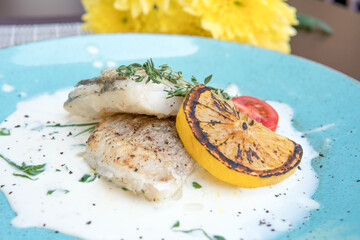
(319, 96)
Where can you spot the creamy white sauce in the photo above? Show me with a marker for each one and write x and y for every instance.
(321, 128)
(100, 210)
(92, 49)
(7, 88)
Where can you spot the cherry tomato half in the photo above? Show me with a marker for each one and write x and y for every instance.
(258, 110)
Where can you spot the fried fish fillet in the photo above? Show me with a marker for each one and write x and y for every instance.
(110, 93)
(142, 153)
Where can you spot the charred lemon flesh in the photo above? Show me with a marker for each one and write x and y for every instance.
(231, 146)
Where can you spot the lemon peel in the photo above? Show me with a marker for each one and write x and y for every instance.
(231, 146)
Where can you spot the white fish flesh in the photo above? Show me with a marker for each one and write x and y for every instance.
(110, 93)
(141, 153)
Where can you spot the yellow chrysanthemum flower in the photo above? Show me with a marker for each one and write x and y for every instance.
(265, 23)
(136, 7)
(104, 16)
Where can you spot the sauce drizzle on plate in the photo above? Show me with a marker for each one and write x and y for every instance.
(100, 210)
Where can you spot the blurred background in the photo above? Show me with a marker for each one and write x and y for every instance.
(40, 11)
(44, 11)
(24, 21)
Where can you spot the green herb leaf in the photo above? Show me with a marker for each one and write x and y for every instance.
(31, 170)
(139, 78)
(217, 237)
(309, 23)
(24, 176)
(124, 188)
(79, 145)
(194, 80)
(90, 129)
(196, 185)
(167, 76)
(4, 132)
(194, 230)
(51, 191)
(135, 65)
(177, 224)
(93, 178)
(73, 125)
(207, 79)
(86, 178)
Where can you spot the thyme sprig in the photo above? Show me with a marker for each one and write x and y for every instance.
(167, 76)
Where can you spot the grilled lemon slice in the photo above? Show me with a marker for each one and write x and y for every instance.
(230, 145)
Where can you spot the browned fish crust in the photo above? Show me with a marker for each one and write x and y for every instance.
(142, 153)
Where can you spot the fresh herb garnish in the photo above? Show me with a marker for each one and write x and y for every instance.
(50, 192)
(125, 189)
(86, 178)
(4, 132)
(215, 237)
(196, 185)
(31, 170)
(79, 145)
(53, 190)
(90, 129)
(167, 76)
(177, 224)
(24, 176)
(72, 125)
(194, 230)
